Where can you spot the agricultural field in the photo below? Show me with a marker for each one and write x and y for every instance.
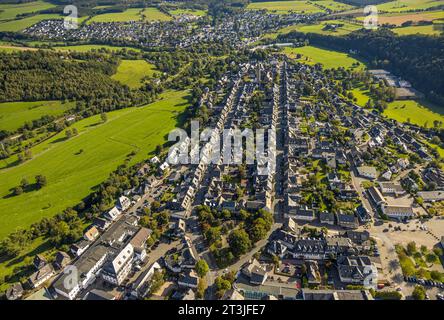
(197, 13)
(428, 30)
(408, 5)
(333, 5)
(13, 115)
(133, 14)
(328, 58)
(89, 47)
(12, 48)
(283, 7)
(18, 25)
(131, 72)
(399, 18)
(74, 166)
(10, 11)
(416, 112)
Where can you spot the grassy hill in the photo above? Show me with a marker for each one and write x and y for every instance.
(73, 167)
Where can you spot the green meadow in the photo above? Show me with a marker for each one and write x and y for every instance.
(283, 7)
(10, 11)
(89, 47)
(18, 25)
(328, 58)
(333, 5)
(428, 30)
(74, 166)
(133, 14)
(178, 12)
(13, 115)
(408, 5)
(415, 112)
(131, 72)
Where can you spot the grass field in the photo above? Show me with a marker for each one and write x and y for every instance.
(318, 28)
(399, 18)
(14, 114)
(334, 5)
(328, 58)
(73, 167)
(131, 72)
(417, 113)
(133, 14)
(89, 47)
(283, 7)
(178, 12)
(18, 25)
(11, 48)
(429, 30)
(10, 11)
(407, 5)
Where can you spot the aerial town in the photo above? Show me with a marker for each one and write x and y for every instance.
(345, 202)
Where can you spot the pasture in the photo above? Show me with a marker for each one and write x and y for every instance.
(283, 7)
(408, 5)
(133, 14)
(399, 18)
(131, 72)
(10, 11)
(73, 167)
(13, 115)
(328, 58)
(333, 5)
(19, 25)
(197, 13)
(428, 30)
(97, 47)
(416, 112)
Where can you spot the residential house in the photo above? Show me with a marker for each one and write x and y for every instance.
(42, 275)
(357, 270)
(367, 172)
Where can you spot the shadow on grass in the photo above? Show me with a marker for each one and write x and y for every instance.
(29, 188)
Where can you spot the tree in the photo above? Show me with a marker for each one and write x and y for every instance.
(202, 268)
(201, 287)
(419, 293)
(24, 183)
(239, 242)
(18, 191)
(104, 117)
(40, 181)
(411, 248)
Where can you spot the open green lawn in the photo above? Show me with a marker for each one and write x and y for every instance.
(133, 14)
(407, 5)
(10, 11)
(14, 114)
(131, 72)
(361, 95)
(73, 167)
(428, 29)
(89, 47)
(417, 112)
(178, 12)
(328, 58)
(18, 25)
(283, 7)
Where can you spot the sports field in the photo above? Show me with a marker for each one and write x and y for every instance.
(89, 47)
(131, 72)
(10, 11)
(283, 7)
(328, 58)
(133, 14)
(408, 5)
(13, 115)
(73, 167)
(416, 112)
(18, 25)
